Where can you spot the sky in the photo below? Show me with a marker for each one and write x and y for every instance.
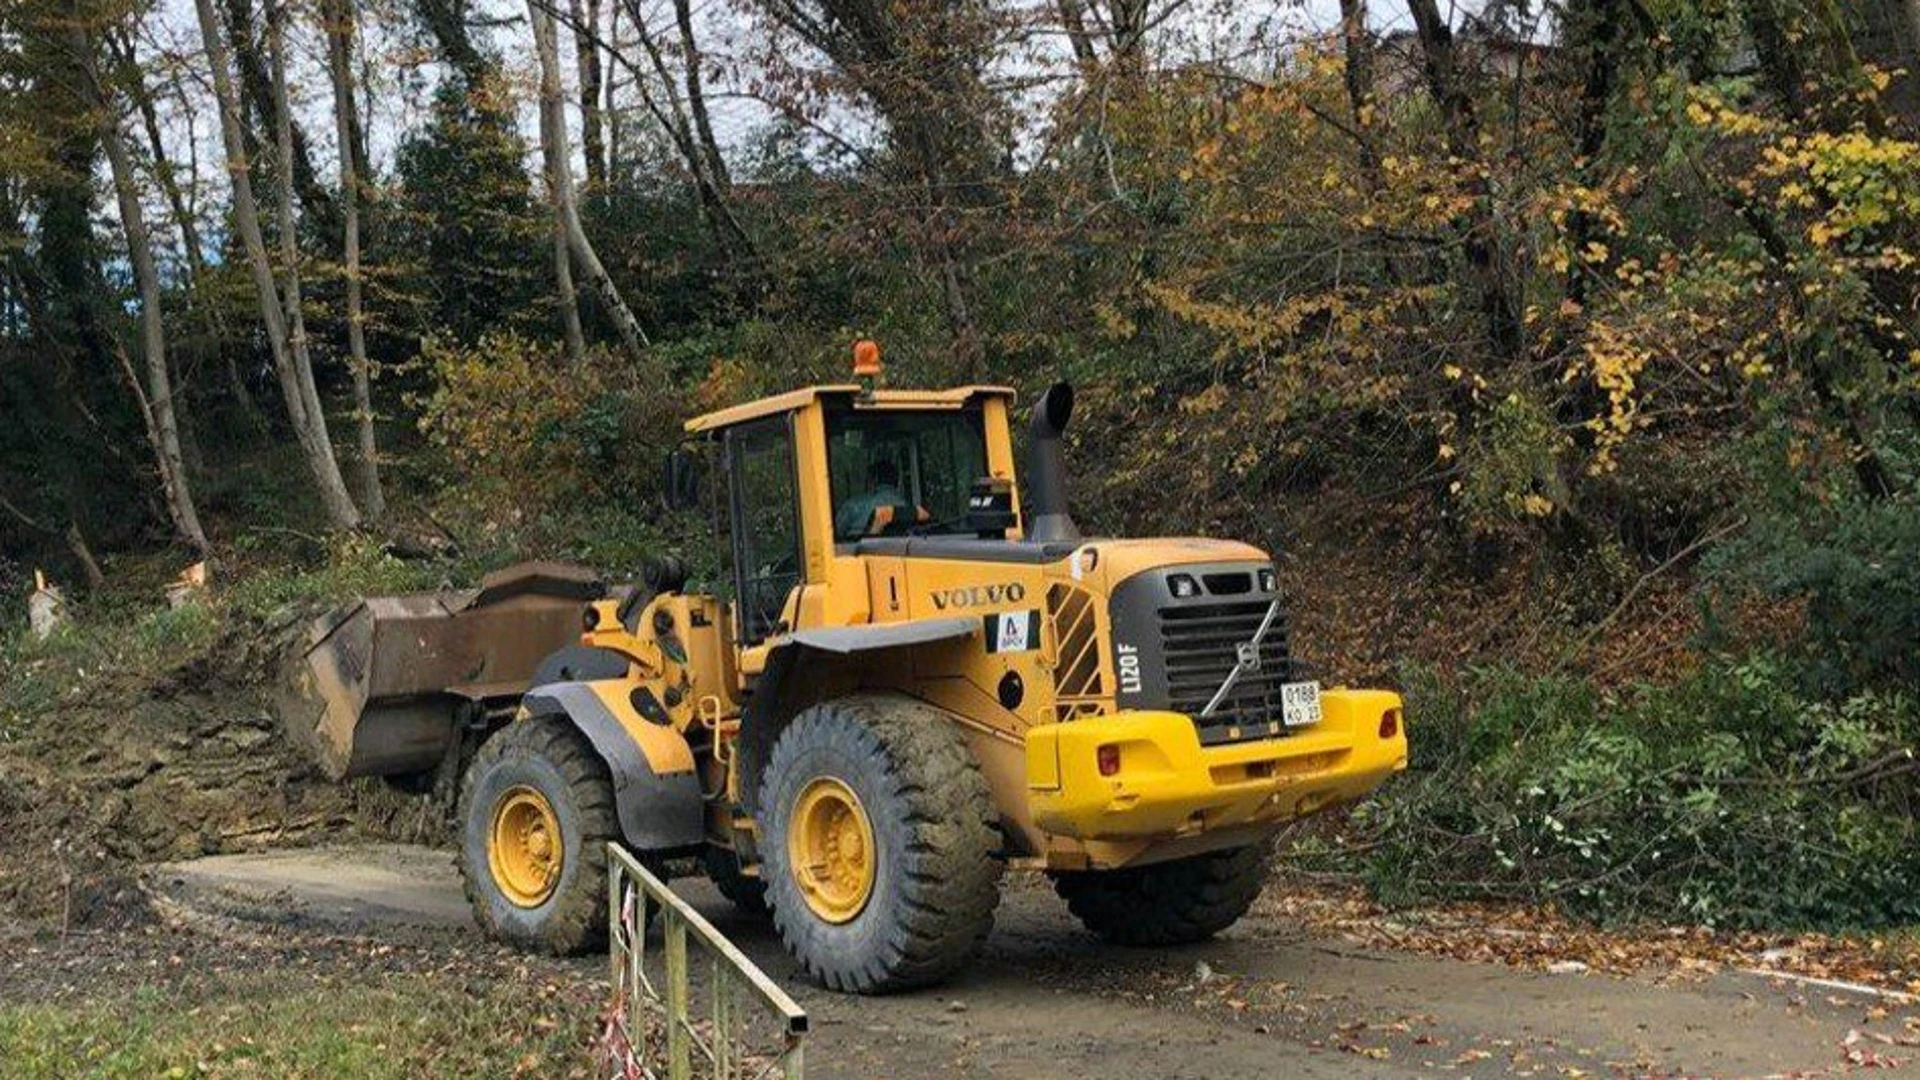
(398, 71)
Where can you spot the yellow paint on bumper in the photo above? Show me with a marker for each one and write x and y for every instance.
(1169, 785)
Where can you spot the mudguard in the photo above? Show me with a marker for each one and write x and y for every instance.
(781, 689)
(656, 790)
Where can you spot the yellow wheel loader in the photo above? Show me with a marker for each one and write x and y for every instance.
(915, 673)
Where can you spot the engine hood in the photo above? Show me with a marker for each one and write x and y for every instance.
(1114, 561)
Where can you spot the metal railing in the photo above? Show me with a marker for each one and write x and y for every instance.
(654, 1020)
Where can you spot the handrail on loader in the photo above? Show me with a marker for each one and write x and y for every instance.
(725, 1037)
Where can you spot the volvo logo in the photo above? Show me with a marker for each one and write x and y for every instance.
(979, 596)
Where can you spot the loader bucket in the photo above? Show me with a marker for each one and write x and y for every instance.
(379, 687)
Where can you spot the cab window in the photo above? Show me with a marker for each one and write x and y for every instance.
(899, 472)
(766, 531)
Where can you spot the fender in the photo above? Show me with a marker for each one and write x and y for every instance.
(847, 640)
(656, 791)
(783, 686)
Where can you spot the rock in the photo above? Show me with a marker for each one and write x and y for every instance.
(46, 608)
(1567, 967)
(1203, 972)
(246, 738)
(956, 1006)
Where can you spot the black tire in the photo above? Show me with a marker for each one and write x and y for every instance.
(1169, 903)
(749, 894)
(935, 834)
(554, 759)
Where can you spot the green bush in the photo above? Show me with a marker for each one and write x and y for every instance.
(1730, 798)
(1855, 564)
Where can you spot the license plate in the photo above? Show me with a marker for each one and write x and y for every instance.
(1299, 703)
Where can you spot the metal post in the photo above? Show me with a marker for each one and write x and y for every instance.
(679, 1060)
(722, 1021)
(615, 930)
(640, 1000)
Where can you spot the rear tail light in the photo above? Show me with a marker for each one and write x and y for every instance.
(1390, 723)
(1109, 758)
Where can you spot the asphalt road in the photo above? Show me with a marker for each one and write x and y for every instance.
(1268, 999)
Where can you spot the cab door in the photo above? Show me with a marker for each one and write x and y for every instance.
(764, 507)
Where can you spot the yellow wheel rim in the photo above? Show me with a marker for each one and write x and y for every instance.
(523, 847)
(830, 847)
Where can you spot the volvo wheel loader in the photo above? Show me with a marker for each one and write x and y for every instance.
(915, 674)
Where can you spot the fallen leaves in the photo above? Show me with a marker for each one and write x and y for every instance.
(1541, 940)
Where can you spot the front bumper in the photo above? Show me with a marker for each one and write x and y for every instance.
(1168, 785)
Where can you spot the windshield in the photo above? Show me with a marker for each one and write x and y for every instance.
(898, 472)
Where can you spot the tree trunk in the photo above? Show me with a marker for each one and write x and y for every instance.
(1359, 72)
(1598, 30)
(955, 283)
(309, 424)
(567, 295)
(586, 50)
(445, 20)
(285, 222)
(340, 33)
(82, 554)
(1073, 19)
(1481, 241)
(553, 157)
(554, 136)
(697, 101)
(257, 83)
(1357, 41)
(195, 248)
(157, 403)
(1127, 32)
(700, 153)
(298, 343)
(190, 238)
(611, 90)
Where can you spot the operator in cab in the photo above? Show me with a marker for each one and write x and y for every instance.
(857, 516)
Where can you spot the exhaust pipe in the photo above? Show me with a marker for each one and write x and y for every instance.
(1046, 487)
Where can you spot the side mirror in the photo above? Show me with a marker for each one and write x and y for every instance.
(682, 481)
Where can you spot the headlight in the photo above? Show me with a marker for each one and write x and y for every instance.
(1267, 583)
(1183, 586)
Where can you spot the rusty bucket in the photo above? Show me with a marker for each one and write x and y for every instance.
(379, 687)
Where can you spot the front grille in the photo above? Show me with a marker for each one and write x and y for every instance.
(1198, 642)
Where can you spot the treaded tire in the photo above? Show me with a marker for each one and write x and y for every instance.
(935, 831)
(556, 760)
(749, 894)
(1169, 903)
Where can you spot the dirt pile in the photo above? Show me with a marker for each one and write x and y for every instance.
(104, 766)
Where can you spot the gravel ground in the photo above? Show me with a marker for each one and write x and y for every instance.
(1297, 989)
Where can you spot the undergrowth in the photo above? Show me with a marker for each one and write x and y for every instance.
(1732, 797)
(137, 635)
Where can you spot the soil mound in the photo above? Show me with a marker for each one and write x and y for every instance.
(109, 769)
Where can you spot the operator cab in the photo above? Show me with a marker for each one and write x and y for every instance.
(823, 474)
